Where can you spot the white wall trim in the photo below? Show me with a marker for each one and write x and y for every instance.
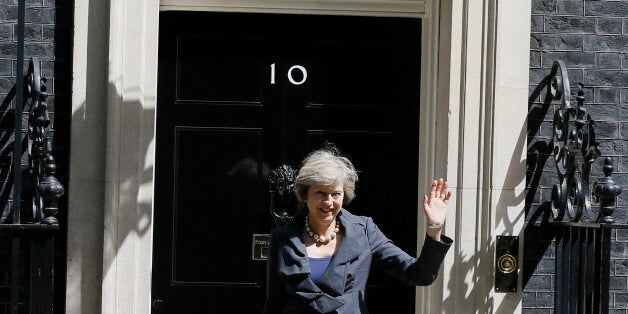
(429, 123)
(487, 56)
(86, 185)
(132, 76)
(405, 8)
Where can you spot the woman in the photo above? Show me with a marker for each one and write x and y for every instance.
(320, 262)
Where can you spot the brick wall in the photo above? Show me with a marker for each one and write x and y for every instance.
(48, 34)
(592, 38)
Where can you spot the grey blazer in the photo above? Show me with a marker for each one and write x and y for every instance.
(342, 287)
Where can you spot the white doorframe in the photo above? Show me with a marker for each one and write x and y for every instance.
(473, 100)
(398, 8)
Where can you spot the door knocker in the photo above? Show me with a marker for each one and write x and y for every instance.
(283, 202)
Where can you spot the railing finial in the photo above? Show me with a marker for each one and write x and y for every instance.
(606, 192)
(45, 189)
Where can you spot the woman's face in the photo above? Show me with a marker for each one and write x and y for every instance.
(324, 202)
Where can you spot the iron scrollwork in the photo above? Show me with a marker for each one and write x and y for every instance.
(44, 188)
(283, 202)
(575, 149)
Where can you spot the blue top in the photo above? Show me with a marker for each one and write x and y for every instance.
(318, 265)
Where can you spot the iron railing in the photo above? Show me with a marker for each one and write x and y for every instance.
(583, 267)
(32, 218)
(583, 233)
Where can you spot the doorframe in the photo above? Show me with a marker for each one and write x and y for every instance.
(471, 62)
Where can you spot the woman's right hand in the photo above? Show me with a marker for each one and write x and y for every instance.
(435, 206)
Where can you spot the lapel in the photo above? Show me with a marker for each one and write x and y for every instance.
(354, 242)
(295, 265)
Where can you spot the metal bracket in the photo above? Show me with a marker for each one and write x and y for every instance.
(260, 247)
(506, 264)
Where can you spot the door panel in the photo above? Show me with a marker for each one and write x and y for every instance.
(208, 195)
(341, 78)
(230, 108)
(235, 79)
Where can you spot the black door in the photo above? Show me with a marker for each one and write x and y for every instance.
(241, 94)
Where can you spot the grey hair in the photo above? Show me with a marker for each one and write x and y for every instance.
(326, 167)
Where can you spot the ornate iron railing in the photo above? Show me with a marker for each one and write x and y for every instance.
(575, 150)
(45, 189)
(32, 218)
(583, 232)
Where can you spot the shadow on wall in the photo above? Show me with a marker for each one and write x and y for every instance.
(91, 254)
(470, 269)
(88, 261)
(508, 198)
(133, 198)
(473, 266)
(141, 202)
(538, 205)
(7, 124)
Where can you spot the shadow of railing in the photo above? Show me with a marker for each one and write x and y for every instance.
(7, 136)
(537, 240)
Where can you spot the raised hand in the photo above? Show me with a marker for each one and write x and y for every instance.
(435, 206)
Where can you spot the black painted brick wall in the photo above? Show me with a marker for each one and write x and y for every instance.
(48, 36)
(592, 38)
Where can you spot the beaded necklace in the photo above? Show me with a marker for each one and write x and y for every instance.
(316, 237)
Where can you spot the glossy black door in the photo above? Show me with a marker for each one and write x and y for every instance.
(240, 94)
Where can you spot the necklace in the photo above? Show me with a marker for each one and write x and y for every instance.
(316, 237)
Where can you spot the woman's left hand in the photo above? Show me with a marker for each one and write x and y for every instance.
(435, 206)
